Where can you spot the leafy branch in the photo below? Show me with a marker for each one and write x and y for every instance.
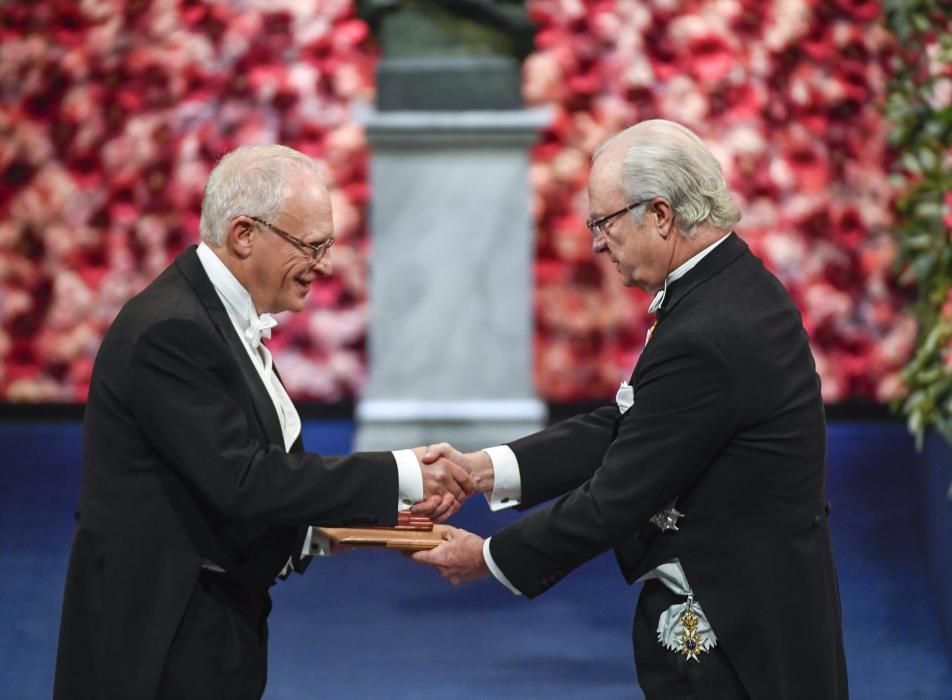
(920, 110)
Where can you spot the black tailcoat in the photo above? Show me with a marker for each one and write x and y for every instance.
(184, 462)
(728, 419)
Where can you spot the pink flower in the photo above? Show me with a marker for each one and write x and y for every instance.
(350, 33)
(542, 78)
(684, 101)
(307, 377)
(119, 110)
(862, 9)
(947, 219)
(572, 241)
(329, 328)
(890, 387)
(570, 166)
(946, 310)
(895, 348)
(711, 58)
(809, 166)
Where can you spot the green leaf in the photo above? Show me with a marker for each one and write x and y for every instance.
(929, 210)
(910, 163)
(921, 136)
(920, 22)
(921, 266)
(928, 159)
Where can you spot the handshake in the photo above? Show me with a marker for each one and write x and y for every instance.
(449, 478)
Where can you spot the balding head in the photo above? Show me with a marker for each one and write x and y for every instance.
(267, 216)
(253, 181)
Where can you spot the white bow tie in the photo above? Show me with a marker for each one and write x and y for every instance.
(259, 327)
(659, 297)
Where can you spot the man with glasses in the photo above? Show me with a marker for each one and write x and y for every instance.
(706, 476)
(197, 492)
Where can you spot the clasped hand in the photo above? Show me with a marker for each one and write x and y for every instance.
(446, 484)
(459, 558)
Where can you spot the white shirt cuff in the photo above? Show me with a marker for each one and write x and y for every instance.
(507, 482)
(495, 570)
(410, 479)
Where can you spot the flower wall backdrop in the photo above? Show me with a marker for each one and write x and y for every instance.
(113, 112)
(789, 95)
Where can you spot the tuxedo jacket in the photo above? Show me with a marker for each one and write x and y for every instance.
(184, 463)
(727, 418)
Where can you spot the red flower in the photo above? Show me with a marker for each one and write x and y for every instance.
(116, 115)
(848, 227)
(862, 9)
(809, 166)
(349, 34)
(711, 58)
(947, 219)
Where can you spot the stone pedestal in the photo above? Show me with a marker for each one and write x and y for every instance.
(451, 280)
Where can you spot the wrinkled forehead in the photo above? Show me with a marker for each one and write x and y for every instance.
(308, 204)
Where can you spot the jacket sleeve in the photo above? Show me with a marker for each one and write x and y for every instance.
(564, 456)
(185, 392)
(683, 415)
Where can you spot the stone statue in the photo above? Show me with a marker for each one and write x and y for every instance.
(449, 54)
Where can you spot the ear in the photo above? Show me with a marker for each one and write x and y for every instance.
(662, 215)
(240, 235)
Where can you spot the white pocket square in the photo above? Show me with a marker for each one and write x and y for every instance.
(625, 397)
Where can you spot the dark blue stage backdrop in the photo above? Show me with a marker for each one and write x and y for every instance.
(374, 625)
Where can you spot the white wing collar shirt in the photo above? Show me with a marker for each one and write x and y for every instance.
(507, 492)
(252, 328)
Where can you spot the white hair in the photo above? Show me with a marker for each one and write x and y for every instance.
(665, 159)
(249, 181)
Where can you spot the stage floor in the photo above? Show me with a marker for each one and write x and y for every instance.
(367, 625)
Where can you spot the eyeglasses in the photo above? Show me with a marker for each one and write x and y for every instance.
(315, 252)
(597, 226)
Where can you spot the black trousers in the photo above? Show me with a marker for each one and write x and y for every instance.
(667, 675)
(220, 650)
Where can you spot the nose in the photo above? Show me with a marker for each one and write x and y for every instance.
(324, 267)
(599, 245)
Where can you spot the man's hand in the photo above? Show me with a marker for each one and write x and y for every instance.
(459, 559)
(446, 486)
(478, 463)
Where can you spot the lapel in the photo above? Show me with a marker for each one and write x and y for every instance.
(265, 413)
(711, 265)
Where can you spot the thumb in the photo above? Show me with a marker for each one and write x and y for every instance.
(431, 454)
(440, 449)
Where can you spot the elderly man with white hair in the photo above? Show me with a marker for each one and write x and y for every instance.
(707, 475)
(196, 490)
